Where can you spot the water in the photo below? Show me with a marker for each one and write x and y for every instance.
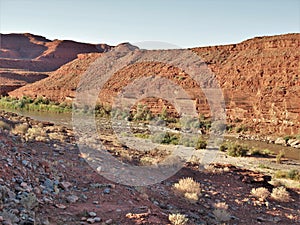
(65, 119)
(289, 152)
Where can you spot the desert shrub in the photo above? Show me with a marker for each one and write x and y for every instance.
(166, 138)
(237, 150)
(220, 212)
(260, 193)
(188, 187)
(258, 152)
(178, 219)
(223, 147)
(234, 149)
(142, 135)
(164, 113)
(190, 123)
(286, 138)
(263, 166)
(280, 194)
(291, 174)
(142, 113)
(204, 122)
(241, 129)
(41, 100)
(103, 110)
(196, 142)
(201, 144)
(188, 141)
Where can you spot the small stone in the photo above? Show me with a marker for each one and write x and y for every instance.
(65, 185)
(92, 214)
(260, 219)
(90, 220)
(109, 221)
(72, 198)
(1, 218)
(37, 190)
(24, 185)
(25, 162)
(95, 202)
(60, 206)
(83, 219)
(280, 141)
(106, 191)
(97, 219)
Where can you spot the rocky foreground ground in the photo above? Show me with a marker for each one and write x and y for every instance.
(45, 180)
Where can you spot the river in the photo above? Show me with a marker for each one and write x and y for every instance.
(65, 119)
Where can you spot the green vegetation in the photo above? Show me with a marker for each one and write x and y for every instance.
(142, 113)
(176, 139)
(241, 128)
(286, 138)
(258, 152)
(201, 144)
(263, 166)
(142, 135)
(234, 149)
(166, 138)
(290, 174)
(38, 104)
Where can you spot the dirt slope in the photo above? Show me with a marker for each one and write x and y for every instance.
(259, 78)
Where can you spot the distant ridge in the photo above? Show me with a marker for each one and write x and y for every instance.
(36, 53)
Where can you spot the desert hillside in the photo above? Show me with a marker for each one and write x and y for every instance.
(259, 78)
(36, 53)
(26, 58)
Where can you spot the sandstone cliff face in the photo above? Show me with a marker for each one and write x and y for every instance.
(259, 78)
(260, 81)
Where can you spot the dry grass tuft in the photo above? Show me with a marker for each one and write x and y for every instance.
(221, 214)
(260, 193)
(178, 219)
(189, 188)
(281, 194)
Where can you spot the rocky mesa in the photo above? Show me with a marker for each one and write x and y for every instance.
(259, 78)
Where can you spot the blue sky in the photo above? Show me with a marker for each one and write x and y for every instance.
(185, 23)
